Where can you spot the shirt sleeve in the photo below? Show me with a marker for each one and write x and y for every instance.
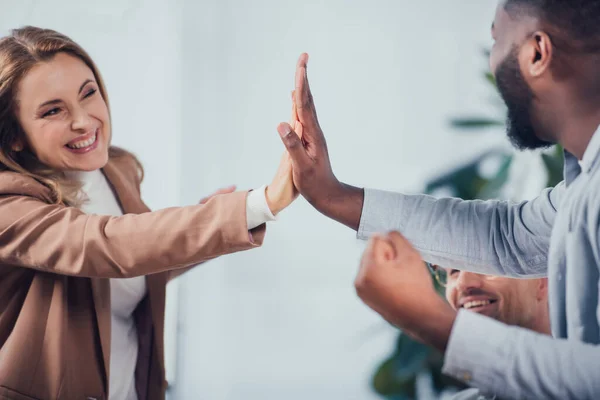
(517, 363)
(493, 237)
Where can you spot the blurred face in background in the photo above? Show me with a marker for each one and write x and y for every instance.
(520, 302)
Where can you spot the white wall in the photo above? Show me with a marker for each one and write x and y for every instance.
(283, 321)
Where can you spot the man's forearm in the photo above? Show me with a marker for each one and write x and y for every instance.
(343, 204)
(435, 326)
(488, 237)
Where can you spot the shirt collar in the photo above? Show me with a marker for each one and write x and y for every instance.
(591, 152)
(571, 169)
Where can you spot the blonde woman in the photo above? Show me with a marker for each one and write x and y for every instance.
(83, 262)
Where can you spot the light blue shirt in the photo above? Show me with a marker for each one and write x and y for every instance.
(472, 394)
(554, 235)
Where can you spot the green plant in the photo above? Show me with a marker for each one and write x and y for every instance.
(396, 377)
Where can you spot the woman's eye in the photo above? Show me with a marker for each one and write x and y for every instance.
(454, 272)
(90, 93)
(51, 112)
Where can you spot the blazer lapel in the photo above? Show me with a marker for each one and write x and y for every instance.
(101, 296)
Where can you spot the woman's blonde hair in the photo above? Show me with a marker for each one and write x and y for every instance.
(19, 52)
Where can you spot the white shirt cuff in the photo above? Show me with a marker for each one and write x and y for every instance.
(257, 208)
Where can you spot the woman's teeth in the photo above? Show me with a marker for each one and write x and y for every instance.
(83, 143)
(476, 303)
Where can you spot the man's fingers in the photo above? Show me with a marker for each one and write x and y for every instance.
(401, 246)
(373, 264)
(379, 250)
(369, 252)
(365, 262)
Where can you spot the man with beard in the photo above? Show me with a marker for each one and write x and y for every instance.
(546, 61)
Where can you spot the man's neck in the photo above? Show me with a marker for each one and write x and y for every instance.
(575, 125)
(576, 139)
(541, 320)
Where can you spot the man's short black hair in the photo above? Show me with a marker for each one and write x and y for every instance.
(575, 22)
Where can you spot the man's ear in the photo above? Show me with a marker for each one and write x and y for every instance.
(542, 289)
(536, 55)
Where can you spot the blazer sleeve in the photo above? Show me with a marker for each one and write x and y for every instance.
(64, 240)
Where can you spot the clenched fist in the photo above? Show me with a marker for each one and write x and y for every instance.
(395, 282)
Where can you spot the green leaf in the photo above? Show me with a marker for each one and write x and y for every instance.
(438, 287)
(554, 166)
(409, 357)
(466, 183)
(493, 187)
(463, 182)
(490, 78)
(386, 383)
(401, 397)
(441, 381)
(397, 375)
(475, 123)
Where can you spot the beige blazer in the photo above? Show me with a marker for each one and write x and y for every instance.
(55, 262)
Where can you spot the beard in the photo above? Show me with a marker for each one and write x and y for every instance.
(518, 97)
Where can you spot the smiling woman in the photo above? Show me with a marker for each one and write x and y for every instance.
(82, 278)
(71, 131)
(46, 78)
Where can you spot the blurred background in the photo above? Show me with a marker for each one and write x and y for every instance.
(197, 88)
